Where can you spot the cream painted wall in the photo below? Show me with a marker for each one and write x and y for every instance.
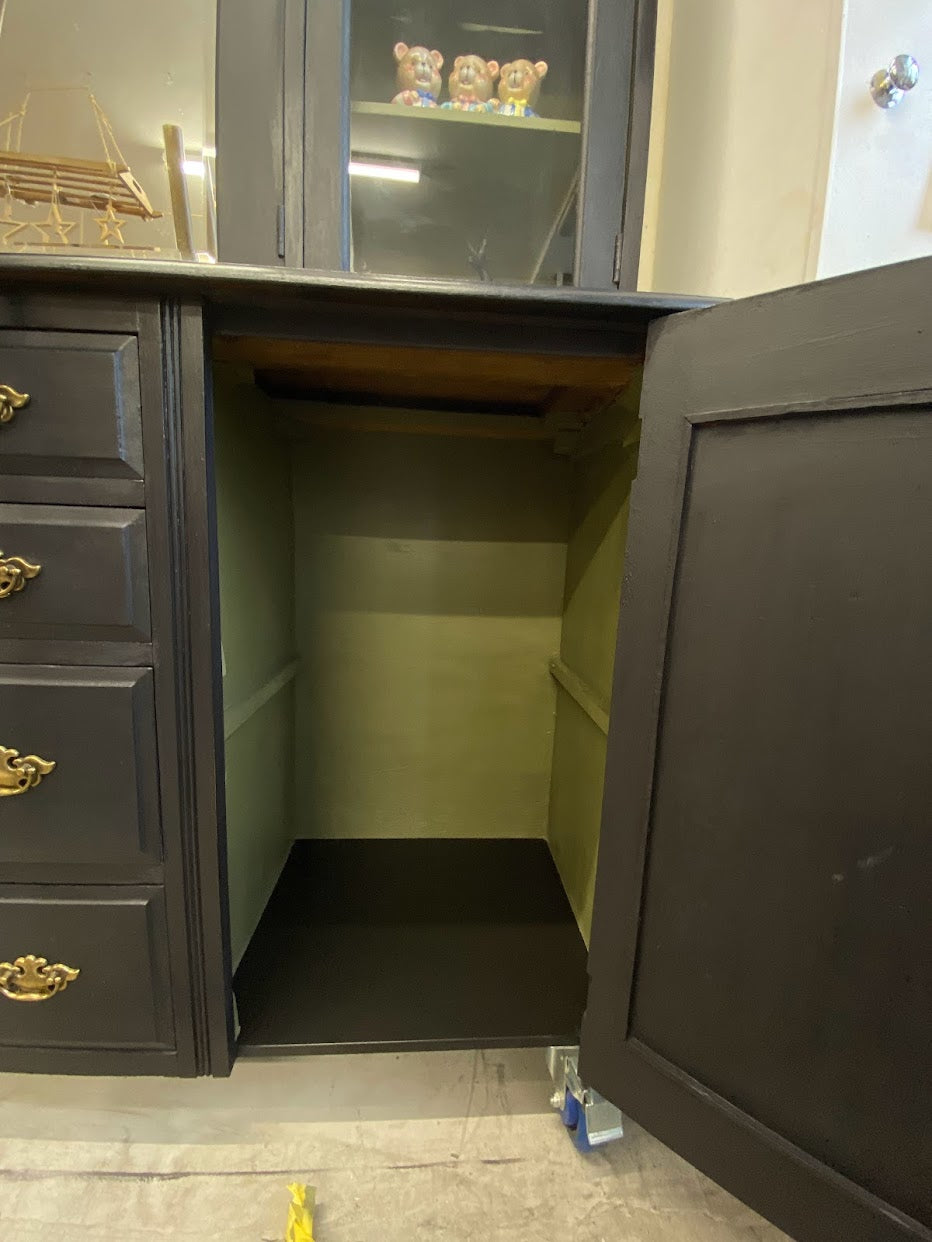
(879, 203)
(146, 63)
(743, 106)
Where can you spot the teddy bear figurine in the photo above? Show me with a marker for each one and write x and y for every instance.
(418, 76)
(471, 84)
(519, 87)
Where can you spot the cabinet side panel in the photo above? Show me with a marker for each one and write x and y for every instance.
(255, 538)
(595, 557)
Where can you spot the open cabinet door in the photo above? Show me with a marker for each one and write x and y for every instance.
(761, 992)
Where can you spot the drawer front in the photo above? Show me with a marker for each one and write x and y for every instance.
(73, 573)
(115, 938)
(99, 805)
(81, 416)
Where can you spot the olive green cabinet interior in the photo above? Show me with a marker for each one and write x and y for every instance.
(428, 647)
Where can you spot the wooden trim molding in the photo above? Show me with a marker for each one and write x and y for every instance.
(236, 715)
(592, 703)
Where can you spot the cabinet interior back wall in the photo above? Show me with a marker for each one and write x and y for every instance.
(418, 615)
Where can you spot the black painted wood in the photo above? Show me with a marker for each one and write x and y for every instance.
(413, 944)
(189, 688)
(638, 146)
(293, 70)
(609, 77)
(326, 198)
(82, 420)
(100, 806)
(257, 289)
(121, 999)
(762, 947)
(74, 652)
(93, 584)
(250, 130)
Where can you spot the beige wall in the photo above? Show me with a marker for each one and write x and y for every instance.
(147, 62)
(743, 107)
(879, 205)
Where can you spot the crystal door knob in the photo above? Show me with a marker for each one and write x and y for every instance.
(888, 86)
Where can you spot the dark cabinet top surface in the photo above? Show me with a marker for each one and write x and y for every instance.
(228, 283)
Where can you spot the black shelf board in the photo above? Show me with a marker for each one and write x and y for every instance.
(392, 945)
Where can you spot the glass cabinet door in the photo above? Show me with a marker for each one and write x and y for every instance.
(107, 128)
(465, 134)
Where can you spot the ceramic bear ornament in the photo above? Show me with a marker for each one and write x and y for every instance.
(472, 84)
(519, 87)
(418, 76)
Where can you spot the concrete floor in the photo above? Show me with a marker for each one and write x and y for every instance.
(439, 1147)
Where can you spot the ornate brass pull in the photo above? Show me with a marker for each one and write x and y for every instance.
(14, 574)
(31, 978)
(18, 776)
(10, 402)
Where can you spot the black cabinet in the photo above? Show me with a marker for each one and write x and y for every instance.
(382, 635)
(486, 142)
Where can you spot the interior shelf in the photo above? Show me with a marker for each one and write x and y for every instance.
(483, 119)
(413, 944)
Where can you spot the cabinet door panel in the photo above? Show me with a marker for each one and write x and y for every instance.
(762, 945)
(250, 131)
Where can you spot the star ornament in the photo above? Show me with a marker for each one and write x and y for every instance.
(54, 224)
(111, 227)
(10, 228)
(9, 225)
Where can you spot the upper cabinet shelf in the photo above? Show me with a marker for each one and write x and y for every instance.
(482, 119)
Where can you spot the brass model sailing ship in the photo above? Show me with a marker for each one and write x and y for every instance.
(106, 186)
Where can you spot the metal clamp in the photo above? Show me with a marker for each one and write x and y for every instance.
(888, 86)
(599, 1121)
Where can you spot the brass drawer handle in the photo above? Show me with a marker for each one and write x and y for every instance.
(10, 402)
(18, 776)
(31, 978)
(14, 574)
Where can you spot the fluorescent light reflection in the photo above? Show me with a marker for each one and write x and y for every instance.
(384, 172)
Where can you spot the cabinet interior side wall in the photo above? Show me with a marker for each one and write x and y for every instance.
(429, 590)
(604, 467)
(256, 555)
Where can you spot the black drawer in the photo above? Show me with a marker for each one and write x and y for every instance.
(96, 814)
(115, 938)
(81, 414)
(73, 573)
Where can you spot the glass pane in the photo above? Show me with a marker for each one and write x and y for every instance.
(466, 118)
(771, 164)
(107, 128)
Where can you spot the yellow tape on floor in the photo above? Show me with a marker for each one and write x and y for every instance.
(300, 1214)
